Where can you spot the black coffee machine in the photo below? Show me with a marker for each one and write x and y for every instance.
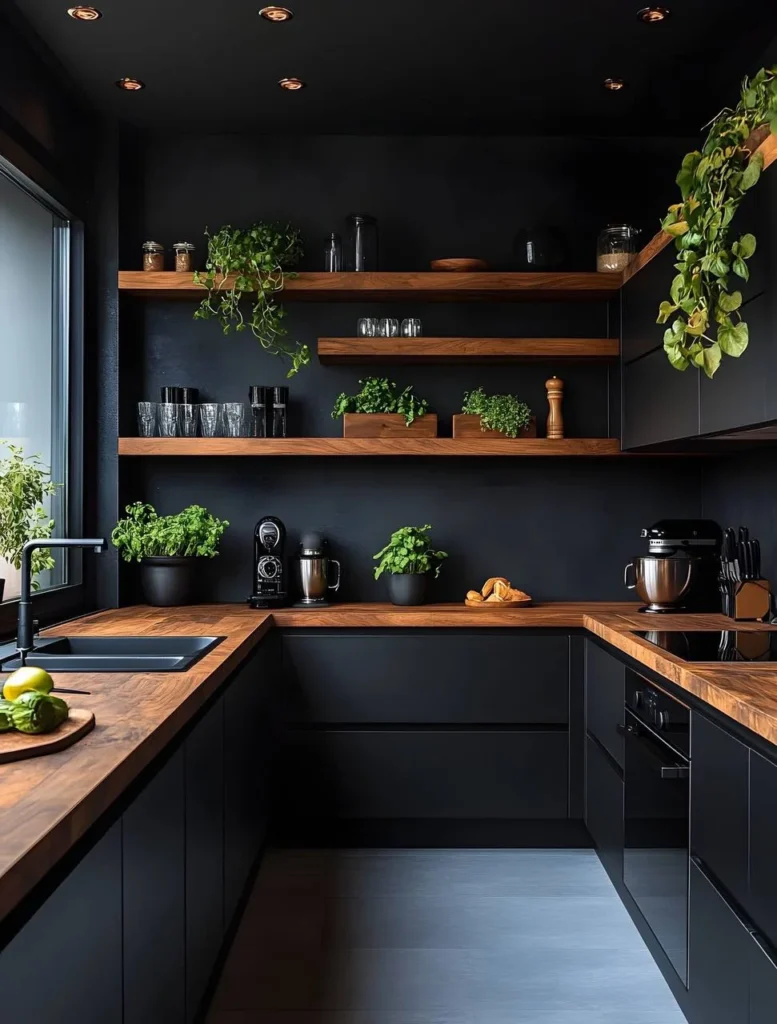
(270, 582)
(695, 543)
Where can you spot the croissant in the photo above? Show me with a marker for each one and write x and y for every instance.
(474, 595)
(489, 585)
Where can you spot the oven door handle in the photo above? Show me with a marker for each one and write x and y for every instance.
(671, 771)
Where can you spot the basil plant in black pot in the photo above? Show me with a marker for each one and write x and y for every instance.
(169, 549)
(407, 560)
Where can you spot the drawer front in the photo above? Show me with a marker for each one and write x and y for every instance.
(762, 904)
(604, 809)
(605, 693)
(421, 774)
(424, 679)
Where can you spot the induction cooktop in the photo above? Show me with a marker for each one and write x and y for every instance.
(714, 645)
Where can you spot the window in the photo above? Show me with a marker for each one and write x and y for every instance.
(35, 336)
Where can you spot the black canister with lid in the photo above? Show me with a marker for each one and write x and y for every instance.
(280, 398)
(259, 399)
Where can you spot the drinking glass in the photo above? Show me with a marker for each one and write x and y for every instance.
(187, 419)
(412, 327)
(388, 327)
(146, 419)
(234, 419)
(209, 419)
(168, 419)
(367, 327)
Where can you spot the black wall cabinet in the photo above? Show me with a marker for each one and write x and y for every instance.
(763, 985)
(605, 694)
(659, 403)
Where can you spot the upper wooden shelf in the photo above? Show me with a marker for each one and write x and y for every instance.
(421, 286)
(350, 446)
(419, 350)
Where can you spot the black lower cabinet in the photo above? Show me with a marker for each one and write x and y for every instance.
(604, 808)
(65, 965)
(719, 957)
(763, 984)
(604, 699)
(762, 906)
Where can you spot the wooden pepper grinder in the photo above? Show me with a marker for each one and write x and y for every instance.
(555, 388)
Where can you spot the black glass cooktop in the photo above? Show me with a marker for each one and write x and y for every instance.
(728, 645)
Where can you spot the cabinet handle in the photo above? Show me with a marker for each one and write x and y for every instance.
(675, 772)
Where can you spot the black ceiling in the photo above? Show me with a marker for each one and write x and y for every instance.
(436, 66)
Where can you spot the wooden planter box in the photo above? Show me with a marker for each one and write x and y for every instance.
(469, 427)
(364, 424)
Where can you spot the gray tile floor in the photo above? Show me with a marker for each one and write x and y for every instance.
(439, 937)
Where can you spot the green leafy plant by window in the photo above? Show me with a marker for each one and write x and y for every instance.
(704, 308)
(193, 533)
(24, 485)
(255, 260)
(380, 395)
(505, 413)
(409, 551)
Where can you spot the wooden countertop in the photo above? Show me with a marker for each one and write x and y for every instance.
(48, 803)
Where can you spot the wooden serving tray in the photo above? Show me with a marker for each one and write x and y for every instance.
(16, 746)
(468, 426)
(498, 604)
(392, 424)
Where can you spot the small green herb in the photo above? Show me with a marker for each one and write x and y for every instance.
(379, 394)
(504, 413)
(193, 533)
(258, 258)
(24, 484)
(409, 551)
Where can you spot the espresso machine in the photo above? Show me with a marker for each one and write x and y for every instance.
(270, 583)
(314, 571)
(680, 571)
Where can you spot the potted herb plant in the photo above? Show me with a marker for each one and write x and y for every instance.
(381, 410)
(24, 485)
(168, 549)
(407, 560)
(494, 416)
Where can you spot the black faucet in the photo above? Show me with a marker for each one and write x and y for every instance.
(25, 625)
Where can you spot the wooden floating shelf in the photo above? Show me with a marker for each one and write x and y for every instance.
(350, 446)
(419, 350)
(420, 286)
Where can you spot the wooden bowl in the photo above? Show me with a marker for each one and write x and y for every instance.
(459, 266)
(523, 603)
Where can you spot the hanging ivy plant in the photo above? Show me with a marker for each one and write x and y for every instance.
(704, 307)
(255, 260)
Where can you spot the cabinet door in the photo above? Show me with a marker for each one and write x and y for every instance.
(719, 783)
(719, 957)
(204, 753)
(154, 910)
(605, 694)
(640, 299)
(604, 808)
(659, 402)
(763, 984)
(762, 905)
(65, 964)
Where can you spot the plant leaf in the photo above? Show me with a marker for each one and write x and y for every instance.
(712, 359)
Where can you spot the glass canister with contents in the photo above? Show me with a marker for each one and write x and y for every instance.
(153, 256)
(184, 262)
(616, 248)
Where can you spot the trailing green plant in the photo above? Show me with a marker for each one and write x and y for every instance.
(380, 395)
(25, 483)
(409, 551)
(505, 413)
(193, 533)
(706, 322)
(257, 259)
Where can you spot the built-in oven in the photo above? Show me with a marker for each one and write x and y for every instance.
(656, 813)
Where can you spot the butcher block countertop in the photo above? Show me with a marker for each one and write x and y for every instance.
(47, 804)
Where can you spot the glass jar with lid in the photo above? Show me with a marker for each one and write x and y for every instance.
(153, 256)
(616, 248)
(183, 257)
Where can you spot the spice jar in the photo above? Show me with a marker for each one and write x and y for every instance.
(153, 256)
(616, 248)
(183, 257)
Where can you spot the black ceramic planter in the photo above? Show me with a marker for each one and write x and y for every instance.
(407, 588)
(170, 581)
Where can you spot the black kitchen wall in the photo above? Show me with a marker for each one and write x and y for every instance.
(560, 528)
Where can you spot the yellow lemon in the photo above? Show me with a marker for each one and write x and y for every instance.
(28, 678)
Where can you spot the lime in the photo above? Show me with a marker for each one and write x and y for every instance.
(27, 678)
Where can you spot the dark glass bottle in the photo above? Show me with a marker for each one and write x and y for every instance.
(280, 398)
(362, 251)
(258, 398)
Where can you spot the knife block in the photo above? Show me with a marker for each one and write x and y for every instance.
(753, 601)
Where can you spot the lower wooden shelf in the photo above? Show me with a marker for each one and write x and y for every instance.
(369, 446)
(439, 350)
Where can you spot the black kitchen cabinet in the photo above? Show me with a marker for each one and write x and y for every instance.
(763, 983)
(153, 839)
(605, 694)
(719, 804)
(762, 904)
(640, 298)
(424, 679)
(659, 403)
(719, 957)
(204, 780)
(65, 965)
(604, 808)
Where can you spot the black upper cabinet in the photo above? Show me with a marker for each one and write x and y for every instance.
(762, 906)
(763, 985)
(640, 298)
(605, 693)
(659, 403)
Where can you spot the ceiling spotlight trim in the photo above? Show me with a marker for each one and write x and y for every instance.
(292, 84)
(653, 15)
(84, 13)
(277, 15)
(614, 84)
(130, 84)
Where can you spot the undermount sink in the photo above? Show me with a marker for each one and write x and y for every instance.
(116, 653)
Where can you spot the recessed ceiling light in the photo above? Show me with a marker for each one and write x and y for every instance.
(276, 14)
(614, 84)
(84, 13)
(292, 84)
(130, 84)
(652, 15)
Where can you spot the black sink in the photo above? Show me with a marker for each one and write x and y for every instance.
(116, 653)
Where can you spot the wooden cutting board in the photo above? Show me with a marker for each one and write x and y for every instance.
(16, 746)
